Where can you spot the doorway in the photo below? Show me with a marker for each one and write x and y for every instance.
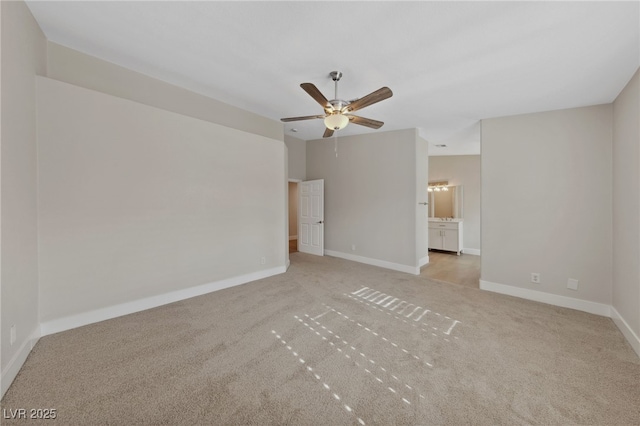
(293, 215)
(306, 216)
(454, 222)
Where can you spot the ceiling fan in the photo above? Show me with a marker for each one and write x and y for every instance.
(337, 113)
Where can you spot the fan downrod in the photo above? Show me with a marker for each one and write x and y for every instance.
(337, 104)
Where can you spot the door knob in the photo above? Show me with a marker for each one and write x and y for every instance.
(322, 221)
(424, 204)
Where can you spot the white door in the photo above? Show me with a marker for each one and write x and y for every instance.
(311, 217)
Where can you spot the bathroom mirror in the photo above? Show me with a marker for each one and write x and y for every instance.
(446, 204)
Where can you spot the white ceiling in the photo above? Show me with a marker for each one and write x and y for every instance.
(449, 64)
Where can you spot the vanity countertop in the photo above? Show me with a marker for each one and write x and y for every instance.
(438, 219)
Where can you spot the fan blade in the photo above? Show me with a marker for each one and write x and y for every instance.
(377, 96)
(374, 124)
(317, 95)
(328, 133)
(306, 117)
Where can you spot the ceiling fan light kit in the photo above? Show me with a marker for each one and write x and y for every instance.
(337, 111)
(336, 121)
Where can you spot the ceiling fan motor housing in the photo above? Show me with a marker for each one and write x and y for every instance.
(337, 105)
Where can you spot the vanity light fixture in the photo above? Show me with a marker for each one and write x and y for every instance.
(438, 186)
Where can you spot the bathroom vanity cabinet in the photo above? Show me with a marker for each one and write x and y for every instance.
(445, 235)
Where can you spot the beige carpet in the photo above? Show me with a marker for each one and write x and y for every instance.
(302, 349)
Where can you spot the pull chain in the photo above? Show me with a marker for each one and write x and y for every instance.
(335, 139)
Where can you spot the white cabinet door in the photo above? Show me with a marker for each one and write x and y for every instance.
(450, 240)
(435, 238)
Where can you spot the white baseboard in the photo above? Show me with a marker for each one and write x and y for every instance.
(475, 252)
(375, 262)
(626, 330)
(74, 321)
(293, 237)
(15, 364)
(551, 299)
(423, 261)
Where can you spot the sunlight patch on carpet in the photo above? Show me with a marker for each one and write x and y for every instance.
(318, 378)
(375, 299)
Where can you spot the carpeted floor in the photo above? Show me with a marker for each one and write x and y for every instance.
(334, 342)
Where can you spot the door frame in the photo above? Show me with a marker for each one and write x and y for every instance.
(288, 217)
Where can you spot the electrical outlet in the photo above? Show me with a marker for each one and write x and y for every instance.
(13, 334)
(263, 260)
(535, 277)
(353, 247)
(572, 284)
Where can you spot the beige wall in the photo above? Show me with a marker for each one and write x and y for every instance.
(102, 257)
(462, 170)
(23, 56)
(293, 209)
(370, 194)
(297, 157)
(422, 211)
(626, 206)
(557, 220)
(77, 68)
(136, 202)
